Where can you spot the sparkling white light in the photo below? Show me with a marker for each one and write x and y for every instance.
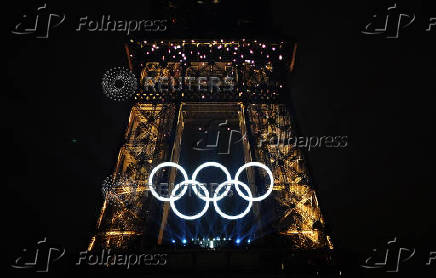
(119, 84)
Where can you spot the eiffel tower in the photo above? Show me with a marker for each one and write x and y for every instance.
(242, 120)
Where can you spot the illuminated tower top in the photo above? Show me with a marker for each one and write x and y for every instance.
(250, 71)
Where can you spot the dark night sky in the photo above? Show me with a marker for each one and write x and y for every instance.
(63, 135)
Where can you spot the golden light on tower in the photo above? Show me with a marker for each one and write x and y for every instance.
(161, 122)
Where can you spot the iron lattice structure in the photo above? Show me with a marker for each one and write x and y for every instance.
(298, 211)
(130, 217)
(147, 143)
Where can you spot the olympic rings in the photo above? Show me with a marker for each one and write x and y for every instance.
(211, 164)
(206, 204)
(216, 196)
(172, 197)
(271, 183)
(232, 217)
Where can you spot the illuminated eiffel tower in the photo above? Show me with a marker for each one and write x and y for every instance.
(240, 122)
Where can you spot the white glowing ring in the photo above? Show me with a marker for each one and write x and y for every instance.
(173, 205)
(216, 197)
(172, 197)
(270, 188)
(211, 164)
(218, 209)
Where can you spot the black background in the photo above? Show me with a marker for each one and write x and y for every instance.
(62, 134)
